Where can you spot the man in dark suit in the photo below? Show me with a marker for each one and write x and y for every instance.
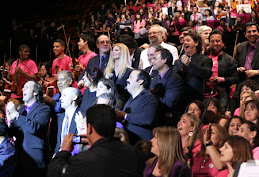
(66, 121)
(29, 126)
(100, 61)
(247, 54)
(134, 50)
(140, 110)
(107, 156)
(167, 86)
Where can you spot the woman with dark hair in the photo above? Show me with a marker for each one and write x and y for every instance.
(233, 124)
(169, 159)
(197, 108)
(250, 131)
(138, 24)
(91, 78)
(251, 112)
(235, 149)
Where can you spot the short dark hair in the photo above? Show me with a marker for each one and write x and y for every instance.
(143, 75)
(90, 40)
(217, 31)
(62, 43)
(197, 38)
(94, 74)
(189, 29)
(251, 24)
(128, 41)
(23, 46)
(166, 54)
(102, 118)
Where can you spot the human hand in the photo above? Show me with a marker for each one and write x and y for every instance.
(207, 134)
(11, 111)
(185, 60)
(251, 73)
(120, 115)
(68, 144)
(240, 69)
(218, 79)
(80, 123)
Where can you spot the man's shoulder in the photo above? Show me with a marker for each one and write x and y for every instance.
(242, 44)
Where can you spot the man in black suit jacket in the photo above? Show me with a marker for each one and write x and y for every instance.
(247, 54)
(107, 156)
(29, 125)
(167, 86)
(134, 50)
(66, 121)
(100, 61)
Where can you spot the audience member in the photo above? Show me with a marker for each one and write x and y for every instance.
(233, 124)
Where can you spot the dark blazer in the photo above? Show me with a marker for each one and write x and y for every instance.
(34, 129)
(153, 74)
(241, 59)
(107, 157)
(194, 76)
(136, 57)
(89, 98)
(95, 62)
(141, 114)
(172, 84)
(72, 128)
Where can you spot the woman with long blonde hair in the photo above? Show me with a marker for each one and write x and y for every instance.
(169, 159)
(118, 68)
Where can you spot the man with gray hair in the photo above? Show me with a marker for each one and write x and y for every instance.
(156, 36)
(204, 31)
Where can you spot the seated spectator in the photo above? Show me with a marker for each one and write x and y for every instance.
(144, 147)
(235, 149)
(113, 157)
(187, 125)
(244, 97)
(233, 124)
(250, 131)
(7, 152)
(223, 27)
(207, 160)
(251, 112)
(122, 135)
(169, 159)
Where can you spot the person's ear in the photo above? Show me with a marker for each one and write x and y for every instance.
(253, 134)
(89, 129)
(141, 82)
(70, 82)
(164, 61)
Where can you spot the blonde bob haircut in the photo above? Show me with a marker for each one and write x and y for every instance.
(124, 62)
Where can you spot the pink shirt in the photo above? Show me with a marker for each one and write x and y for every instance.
(256, 153)
(28, 66)
(138, 25)
(196, 148)
(237, 112)
(203, 166)
(223, 173)
(61, 64)
(84, 59)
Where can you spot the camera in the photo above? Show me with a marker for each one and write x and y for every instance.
(78, 139)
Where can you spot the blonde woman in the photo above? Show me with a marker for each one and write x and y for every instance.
(118, 68)
(168, 160)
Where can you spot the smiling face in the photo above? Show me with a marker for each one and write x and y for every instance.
(29, 96)
(116, 53)
(251, 112)
(234, 125)
(184, 126)
(81, 44)
(216, 44)
(63, 82)
(157, 62)
(194, 109)
(251, 34)
(189, 45)
(155, 147)
(24, 54)
(66, 98)
(154, 35)
(150, 54)
(226, 153)
(103, 44)
(132, 83)
(58, 49)
(205, 37)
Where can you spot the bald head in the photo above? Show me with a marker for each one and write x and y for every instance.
(69, 98)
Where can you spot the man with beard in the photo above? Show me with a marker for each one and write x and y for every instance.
(204, 31)
(140, 110)
(62, 62)
(248, 53)
(224, 69)
(155, 36)
(25, 67)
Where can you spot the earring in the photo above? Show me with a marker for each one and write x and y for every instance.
(190, 133)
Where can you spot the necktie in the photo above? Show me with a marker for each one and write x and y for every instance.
(65, 128)
(101, 60)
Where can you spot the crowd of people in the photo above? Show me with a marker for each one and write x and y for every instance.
(128, 109)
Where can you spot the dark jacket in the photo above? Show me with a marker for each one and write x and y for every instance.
(136, 58)
(108, 157)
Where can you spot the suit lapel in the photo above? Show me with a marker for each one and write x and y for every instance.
(33, 108)
(256, 55)
(72, 128)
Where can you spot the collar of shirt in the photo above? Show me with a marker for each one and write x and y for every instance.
(255, 45)
(28, 108)
(70, 113)
(213, 56)
(162, 75)
(104, 56)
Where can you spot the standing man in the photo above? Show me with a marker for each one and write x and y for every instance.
(140, 110)
(196, 17)
(247, 54)
(107, 156)
(62, 62)
(66, 121)
(155, 36)
(29, 126)
(167, 86)
(150, 54)
(25, 67)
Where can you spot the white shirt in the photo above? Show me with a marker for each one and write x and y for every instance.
(173, 50)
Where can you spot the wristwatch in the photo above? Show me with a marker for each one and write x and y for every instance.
(209, 143)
